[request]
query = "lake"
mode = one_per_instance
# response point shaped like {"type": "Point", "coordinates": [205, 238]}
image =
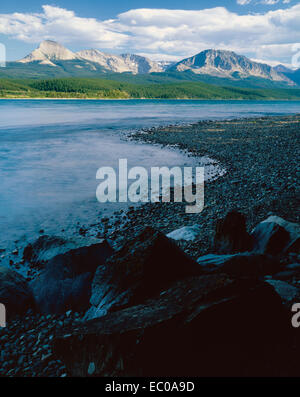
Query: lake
{"type": "Point", "coordinates": [50, 151]}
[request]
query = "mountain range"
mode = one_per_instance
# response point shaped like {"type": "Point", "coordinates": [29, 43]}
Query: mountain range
{"type": "Point", "coordinates": [51, 59]}
{"type": "Point", "coordinates": [52, 53]}
{"type": "Point", "coordinates": [228, 64]}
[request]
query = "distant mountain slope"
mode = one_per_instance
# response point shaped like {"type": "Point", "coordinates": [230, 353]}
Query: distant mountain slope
{"type": "Point", "coordinates": [39, 70]}
{"type": "Point", "coordinates": [295, 76]}
{"type": "Point", "coordinates": [282, 69]}
{"type": "Point", "coordinates": [188, 76]}
{"type": "Point", "coordinates": [227, 64]}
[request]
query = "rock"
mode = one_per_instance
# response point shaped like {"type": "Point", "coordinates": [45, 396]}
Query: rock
{"type": "Point", "coordinates": [231, 235]}
{"type": "Point", "coordinates": [286, 275]}
{"type": "Point", "coordinates": [241, 265]}
{"type": "Point", "coordinates": [140, 269]}
{"type": "Point", "coordinates": [15, 293]}
{"type": "Point", "coordinates": [65, 283]}
{"type": "Point", "coordinates": [91, 369]}
{"type": "Point", "coordinates": [270, 238]}
{"type": "Point", "coordinates": [287, 292]}
{"type": "Point", "coordinates": [294, 246]}
{"type": "Point", "coordinates": [201, 326]}
{"type": "Point", "coordinates": [43, 249]}
{"type": "Point", "coordinates": [80, 260]}
{"type": "Point", "coordinates": [57, 295]}
{"type": "Point", "coordinates": [291, 240]}
{"type": "Point", "coordinates": [187, 233]}
{"type": "Point", "coordinates": [293, 266]}
{"type": "Point", "coordinates": [47, 247]}
{"type": "Point", "coordinates": [214, 261]}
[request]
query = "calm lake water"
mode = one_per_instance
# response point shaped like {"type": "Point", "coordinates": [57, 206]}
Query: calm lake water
{"type": "Point", "coordinates": [50, 152]}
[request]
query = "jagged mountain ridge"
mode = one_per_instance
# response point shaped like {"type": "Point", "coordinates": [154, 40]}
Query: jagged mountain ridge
{"type": "Point", "coordinates": [228, 64]}
{"type": "Point", "coordinates": [49, 52]}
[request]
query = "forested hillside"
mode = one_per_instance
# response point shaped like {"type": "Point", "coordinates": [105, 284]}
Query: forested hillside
{"type": "Point", "coordinates": [111, 89]}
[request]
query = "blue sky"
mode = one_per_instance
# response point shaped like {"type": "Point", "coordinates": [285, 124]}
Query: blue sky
{"type": "Point", "coordinates": [266, 30]}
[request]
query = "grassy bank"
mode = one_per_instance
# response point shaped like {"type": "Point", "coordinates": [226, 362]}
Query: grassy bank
{"type": "Point", "coordinates": [82, 88]}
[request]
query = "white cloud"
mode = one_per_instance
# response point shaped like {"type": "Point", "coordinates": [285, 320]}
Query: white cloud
{"type": "Point", "coordinates": [59, 24]}
{"type": "Point", "coordinates": [267, 2]}
{"type": "Point", "coordinates": [161, 57]}
{"type": "Point", "coordinates": [169, 34]}
{"type": "Point", "coordinates": [273, 63]}
{"type": "Point", "coordinates": [243, 2]}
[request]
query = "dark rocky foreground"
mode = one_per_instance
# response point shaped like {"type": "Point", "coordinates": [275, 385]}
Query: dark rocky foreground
{"type": "Point", "coordinates": [215, 305]}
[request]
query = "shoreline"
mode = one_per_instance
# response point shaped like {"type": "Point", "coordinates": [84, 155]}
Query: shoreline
{"type": "Point", "coordinates": [177, 137]}
{"type": "Point", "coordinates": [253, 159]}
{"type": "Point", "coordinates": [156, 99]}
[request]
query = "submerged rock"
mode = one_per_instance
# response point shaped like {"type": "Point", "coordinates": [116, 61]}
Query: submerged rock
{"type": "Point", "coordinates": [15, 293]}
{"type": "Point", "coordinates": [65, 283]}
{"type": "Point", "coordinates": [201, 326]}
{"type": "Point", "coordinates": [231, 234]}
{"type": "Point", "coordinates": [144, 266]}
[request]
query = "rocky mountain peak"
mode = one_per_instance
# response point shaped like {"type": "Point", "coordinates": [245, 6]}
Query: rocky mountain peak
{"type": "Point", "coordinates": [282, 69]}
{"type": "Point", "coordinates": [228, 64]}
{"type": "Point", "coordinates": [48, 52]}
{"type": "Point", "coordinates": [141, 64]}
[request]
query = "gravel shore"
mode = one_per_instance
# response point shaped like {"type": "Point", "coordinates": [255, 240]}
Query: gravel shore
{"type": "Point", "coordinates": [261, 156]}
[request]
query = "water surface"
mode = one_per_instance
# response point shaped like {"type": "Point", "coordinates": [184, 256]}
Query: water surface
{"type": "Point", "coordinates": [50, 151]}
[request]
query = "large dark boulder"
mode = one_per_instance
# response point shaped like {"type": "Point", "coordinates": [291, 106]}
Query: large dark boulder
{"type": "Point", "coordinates": [65, 282]}
{"type": "Point", "coordinates": [240, 265]}
{"type": "Point", "coordinates": [15, 293]}
{"type": "Point", "coordinates": [270, 238]}
{"type": "Point", "coordinates": [43, 249]}
{"type": "Point", "coordinates": [276, 236]}
{"type": "Point", "coordinates": [201, 326]}
{"type": "Point", "coordinates": [287, 292]}
{"type": "Point", "coordinates": [231, 234]}
{"type": "Point", "coordinates": [144, 266]}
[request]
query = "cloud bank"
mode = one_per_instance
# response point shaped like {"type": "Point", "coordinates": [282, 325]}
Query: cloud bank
{"type": "Point", "coordinates": [165, 34]}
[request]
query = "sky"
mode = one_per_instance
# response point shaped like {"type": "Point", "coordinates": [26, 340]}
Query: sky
{"type": "Point", "coordinates": [264, 30]}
